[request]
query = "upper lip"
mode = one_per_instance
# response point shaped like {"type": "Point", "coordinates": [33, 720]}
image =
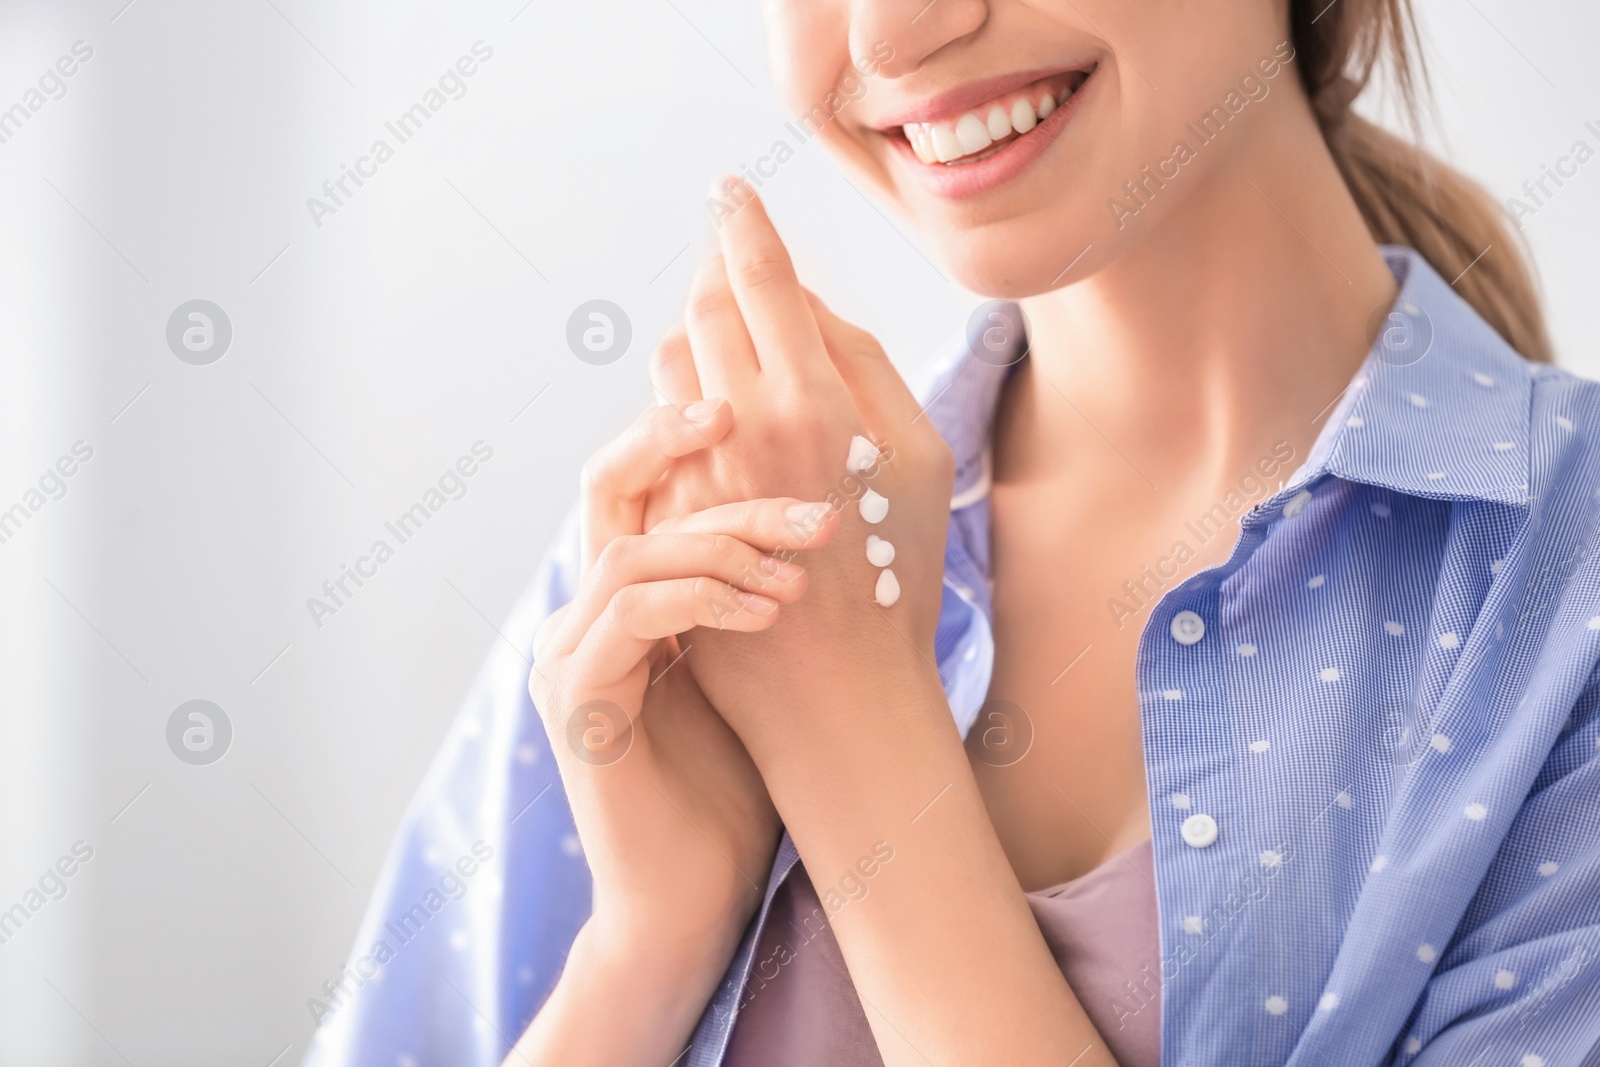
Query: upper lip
{"type": "Point", "coordinates": [955, 102]}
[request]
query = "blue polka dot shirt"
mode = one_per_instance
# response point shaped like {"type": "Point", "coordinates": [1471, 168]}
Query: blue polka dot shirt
{"type": "Point", "coordinates": [1372, 742]}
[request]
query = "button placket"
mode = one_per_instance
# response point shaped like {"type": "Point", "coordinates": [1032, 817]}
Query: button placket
{"type": "Point", "coordinates": [1198, 830]}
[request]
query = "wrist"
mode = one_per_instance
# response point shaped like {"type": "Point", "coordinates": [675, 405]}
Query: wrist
{"type": "Point", "coordinates": [691, 952]}
{"type": "Point", "coordinates": [856, 717]}
{"type": "Point", "coordinates": [886, 736]}
{"type": "Point", "coordinates": [621, 998]}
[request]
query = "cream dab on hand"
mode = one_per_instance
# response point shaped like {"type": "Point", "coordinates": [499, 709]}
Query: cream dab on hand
{"type": "Point", "coordinates": [863, 454]}
{"type": "Point", "coordinates": [874, 506]}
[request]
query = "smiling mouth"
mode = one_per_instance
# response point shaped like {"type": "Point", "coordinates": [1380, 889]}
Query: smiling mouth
{"type": "Point", "coordinates": [982, 131]}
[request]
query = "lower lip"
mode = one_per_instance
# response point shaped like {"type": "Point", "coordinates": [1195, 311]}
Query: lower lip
{"type": "Point", "coordinates": [974, 179]}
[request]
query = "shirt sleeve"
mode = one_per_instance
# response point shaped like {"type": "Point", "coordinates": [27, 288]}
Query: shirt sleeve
{"type": "Point", "coordinates": [1521, 983]}
{"type": "Point", "coordinates": [484, 887]}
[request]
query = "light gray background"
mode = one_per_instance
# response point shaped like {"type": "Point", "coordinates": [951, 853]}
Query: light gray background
{"type": "Point", "coordinates": [368, 354]}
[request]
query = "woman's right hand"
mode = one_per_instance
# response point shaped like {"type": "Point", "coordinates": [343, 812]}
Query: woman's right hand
{"type": "Point", "coordinates": [676, 824]}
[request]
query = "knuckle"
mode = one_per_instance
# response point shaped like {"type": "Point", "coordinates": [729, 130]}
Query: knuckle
{"type": "Point", "coordinates": [614, 556]}
{"type": "Point", "coordinates": [662, 358]}
{"type": "Point", "coordinates": [602, 572]}
{"type": "Point", "coordinates": [708, 293]}
{"type": "Point", "coordinates": [664, 426]}
{"type": "Point", "coordinates": [866, 349]}
{"type": "Point", "coordinates": [673, 347]}
{"type": "Point", "coordinates": [599, 470]}
{"type": "Point", "coordinates": [752, 515]}
{"type": "Point", "coordinates": [708, 302]}
{"type": "Point", "coordinates": [544, 635]}
{"type": "Point", "coordinates": [860, 338]}
{"type": "Point", "coordinates": [761, 269]}
{"type": "Point", "coordinates": [709, 593]}
{"type": "Point", "coordinates": [623, 606]}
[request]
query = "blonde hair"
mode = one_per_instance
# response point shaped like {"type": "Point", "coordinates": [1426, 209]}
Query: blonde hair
{"type": "Point", "coordinates": [1408, 196]}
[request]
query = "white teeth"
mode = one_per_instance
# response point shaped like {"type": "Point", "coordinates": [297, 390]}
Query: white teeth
{"type": "Point", "coordinates": [914, 138]}
{"type": "Point", "coordinates": [999, 125]}
{"type": "Point", "coordinates": [1022, 118]}
{"type": "Point", "coordinates": [945, 146]}
{"type": "Point", "coordinates": [976, 131]}
{"type": "Point", "coordinates": [972, 135]}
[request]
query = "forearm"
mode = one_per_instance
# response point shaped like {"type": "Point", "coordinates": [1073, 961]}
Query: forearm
{"type": "Point", "coordinates": [621, 1000]}
{"type": "Point", "coordinates": [943, 948]}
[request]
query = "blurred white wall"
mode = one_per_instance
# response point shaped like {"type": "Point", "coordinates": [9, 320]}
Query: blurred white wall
{"type": "Point", "coordinates": [367, 354]}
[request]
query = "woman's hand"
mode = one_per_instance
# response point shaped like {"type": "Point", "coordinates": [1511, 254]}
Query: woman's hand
{"type": "Point", "coordinates": [676, 824]}
{"type": "Point", "coordinates": [840, 703]}
{"type": "Point", "coordinates": [802, 383]}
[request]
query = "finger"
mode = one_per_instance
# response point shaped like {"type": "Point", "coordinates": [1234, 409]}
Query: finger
{"type": "Point", "coordinates": [724, 356]}
{"type": "Point", "coordinates": [781, 525]}
{"type": "Point", "coordinates": [672, 369]}
{"type": "Point", "coordinates": [764, 283]}
{"type": "Point", "coordinates": [881, 395]}
{"type": "Point", "coordinates": [617, 477]}
{"type": "Point", "coordinates": [643, 558]}
{"type": "Point", "coordinates": [640, 615]}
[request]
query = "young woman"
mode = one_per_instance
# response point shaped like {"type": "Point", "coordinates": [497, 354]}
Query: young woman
{"type": "Point", "coordinates": [1233, 700]}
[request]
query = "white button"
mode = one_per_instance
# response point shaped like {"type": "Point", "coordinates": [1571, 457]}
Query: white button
{"type": "Point", "coordinates": [1199, 831]}
{"type": "Point", "coordinates": [1187, 627]}
{"type": "Point", "coordinates": [1296, 504]}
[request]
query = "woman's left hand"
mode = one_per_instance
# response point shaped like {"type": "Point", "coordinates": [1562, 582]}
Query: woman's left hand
{"type": "Point", "coordinates": [802, 382]}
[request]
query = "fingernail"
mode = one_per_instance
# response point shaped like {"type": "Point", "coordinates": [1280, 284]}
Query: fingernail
{"type": "Point", "coordinates": [757, 604]}
{"type": "Point", "coordinates": [701, 410]}
{"type": "Point", "coordinates": [780, 569]}
{"type": "Point", "coordinates": [804, 514]}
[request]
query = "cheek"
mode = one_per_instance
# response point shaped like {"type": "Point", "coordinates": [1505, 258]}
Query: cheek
{"type": "Point", "coordinates": [1173, 63]}
{"type": "Point", "coordinates": [808, 49]}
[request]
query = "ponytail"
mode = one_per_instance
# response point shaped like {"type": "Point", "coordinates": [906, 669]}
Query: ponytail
{"type": "Point", "coordinates": [1406, 195]}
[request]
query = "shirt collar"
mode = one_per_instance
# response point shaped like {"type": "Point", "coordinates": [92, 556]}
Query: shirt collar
{"type": "Point", "coordinates": [1440, 407]}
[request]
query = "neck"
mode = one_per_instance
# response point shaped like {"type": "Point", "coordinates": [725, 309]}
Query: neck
{"type": "Point", "coordinates": [1232, 323]}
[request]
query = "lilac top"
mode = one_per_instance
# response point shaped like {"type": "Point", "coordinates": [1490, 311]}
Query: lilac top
{"type": "Point", "coordinates": [801, 1010]}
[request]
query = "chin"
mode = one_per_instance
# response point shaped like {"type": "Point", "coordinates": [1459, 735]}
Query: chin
{"type": "Point", "coordinates": [1020, 257]}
